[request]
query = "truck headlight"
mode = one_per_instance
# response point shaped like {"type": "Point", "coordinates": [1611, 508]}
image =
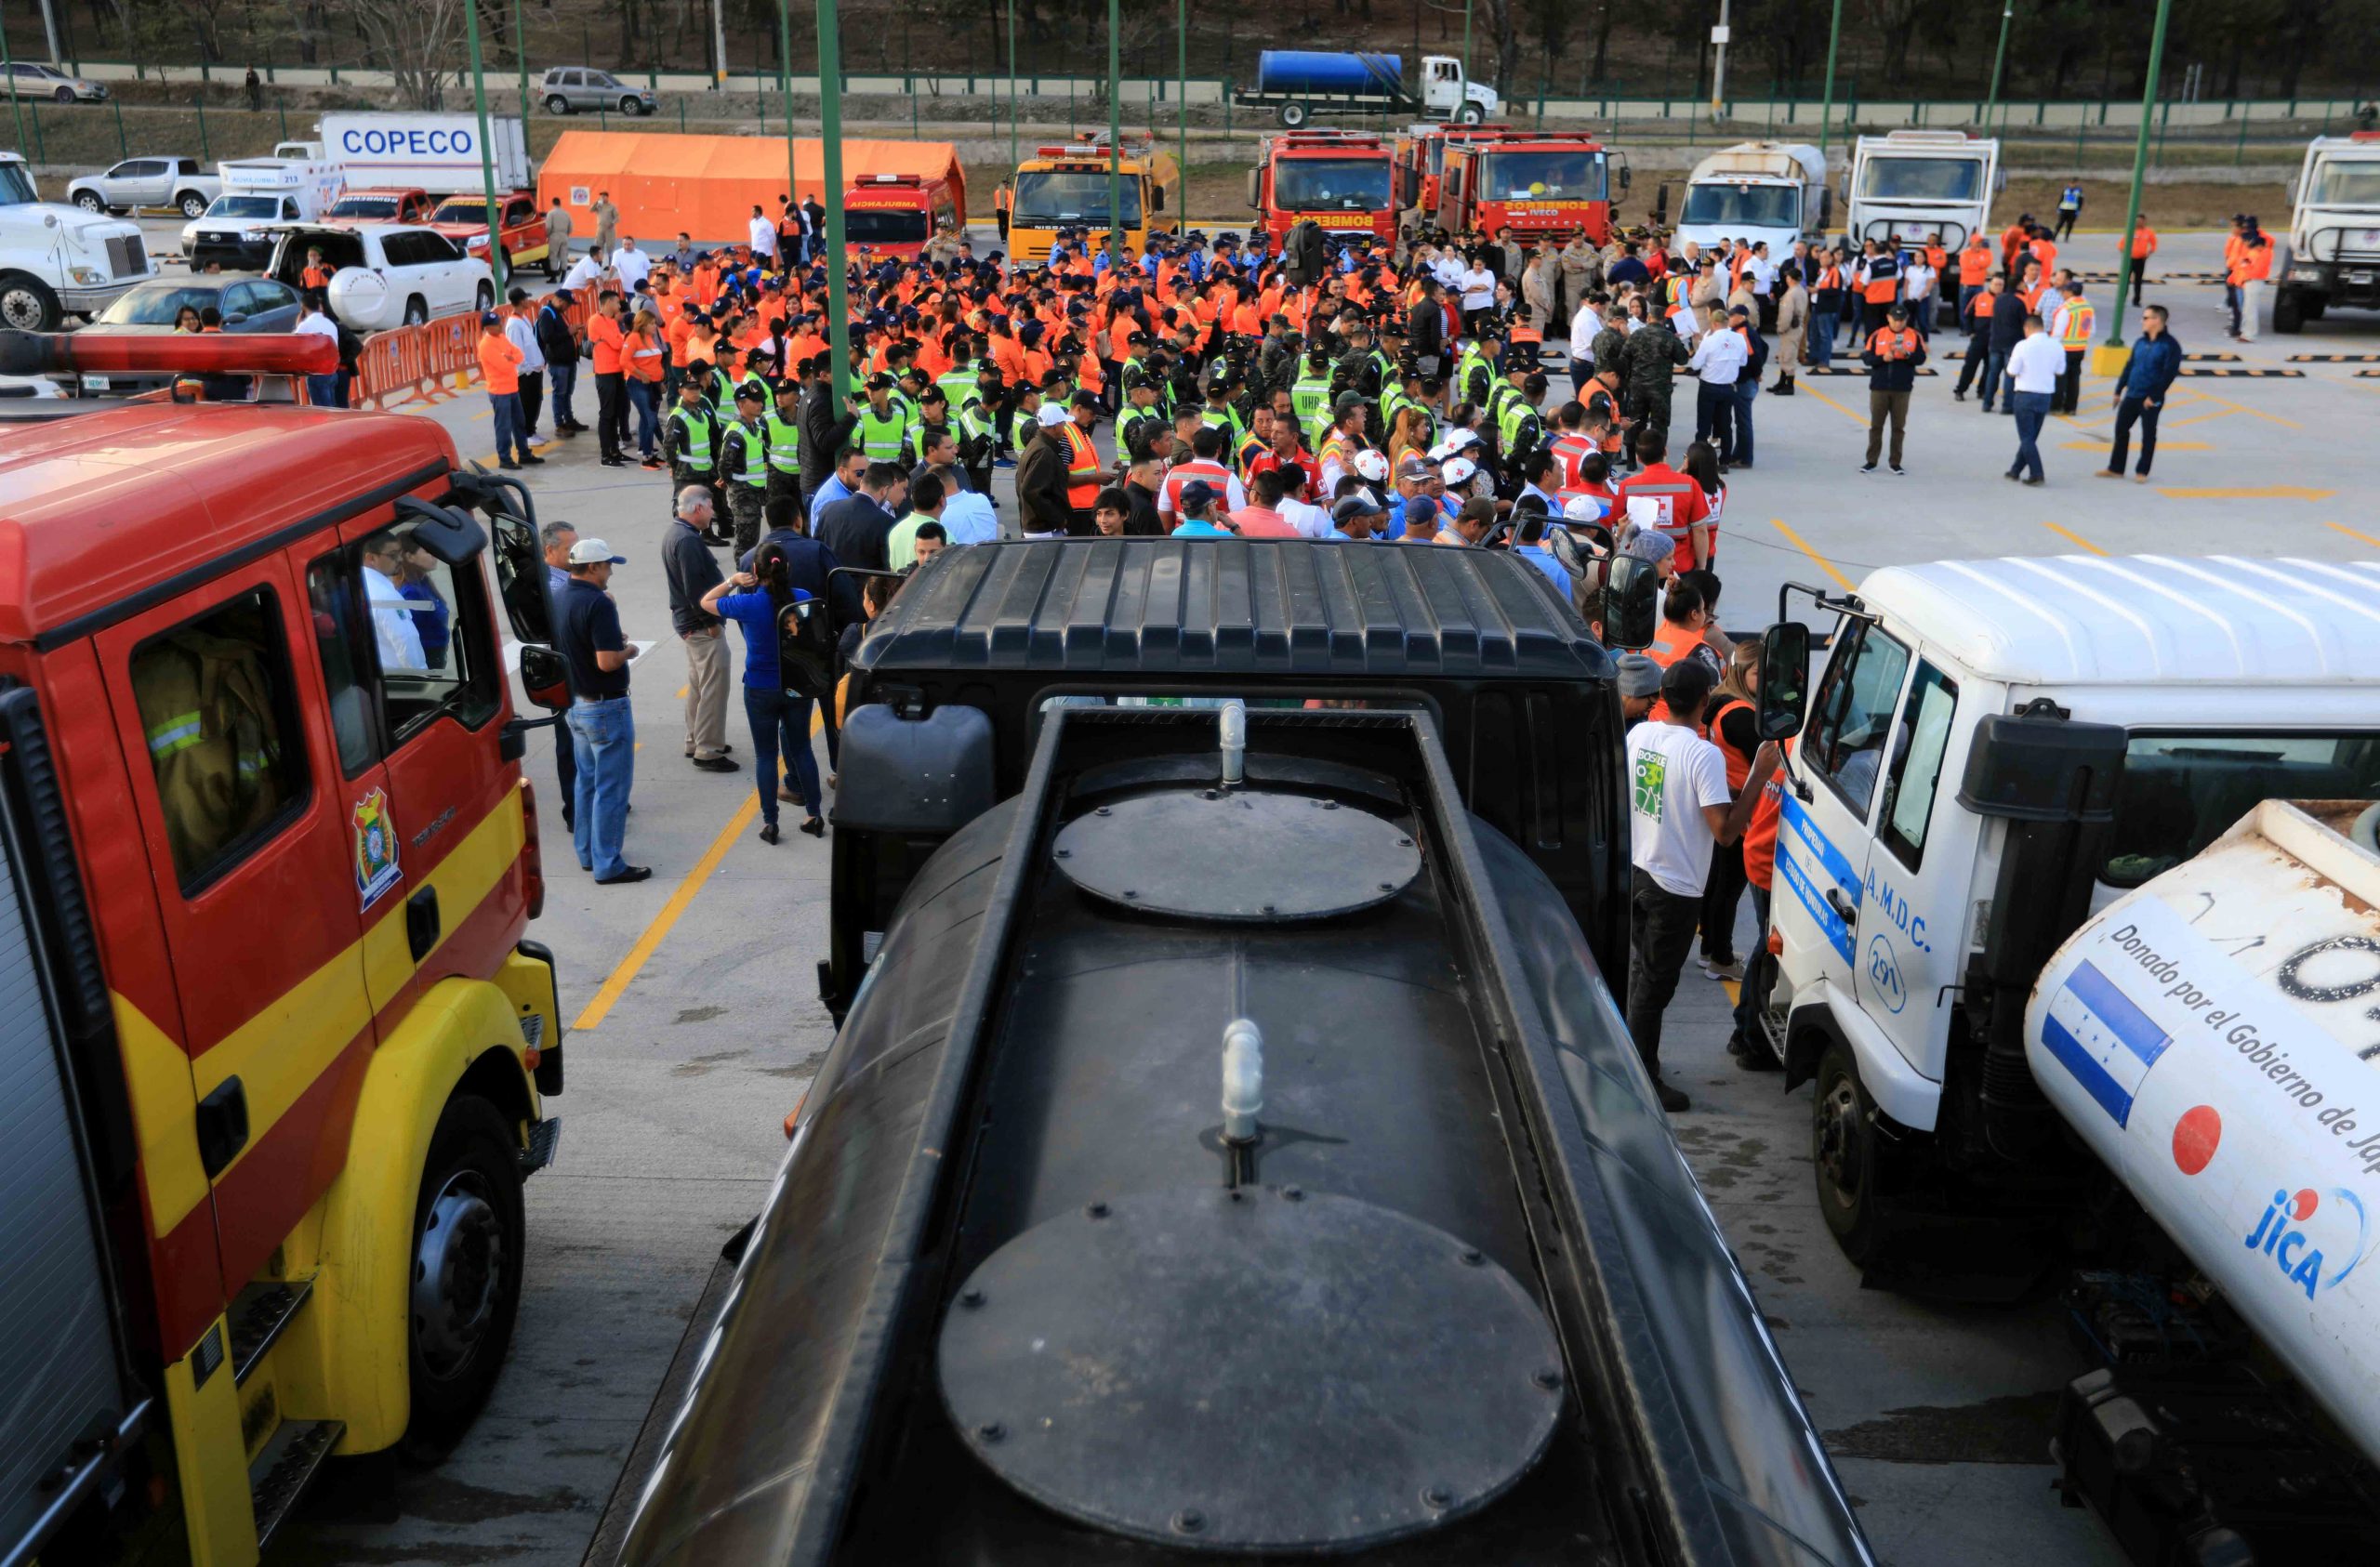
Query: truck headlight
{"type": "Point", "coordinates": [252, 236]}
{"type": "Point", "coordinates": [477, 241]}
{"type": "Point", "coordinates": [88, 276]}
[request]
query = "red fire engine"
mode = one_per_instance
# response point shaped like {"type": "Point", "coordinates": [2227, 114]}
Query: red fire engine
{"type": "Point", "coordinates": [1535, 183]}
{"type": "Point", "coordinates": [1343, 180]}
{"type": "Point", "coordinates": [277, 1052]}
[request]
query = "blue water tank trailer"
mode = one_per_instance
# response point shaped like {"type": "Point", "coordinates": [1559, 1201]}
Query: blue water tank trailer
{"type": "Point", "coordinates": [1322, 71]}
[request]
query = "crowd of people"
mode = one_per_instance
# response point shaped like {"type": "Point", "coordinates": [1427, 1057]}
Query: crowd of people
{"type": "Point", "coordinates": [1393, 396]}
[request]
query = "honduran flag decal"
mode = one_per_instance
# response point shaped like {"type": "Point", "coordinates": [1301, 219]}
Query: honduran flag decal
{"type": "Point", "coordinates": [2106, 1042]}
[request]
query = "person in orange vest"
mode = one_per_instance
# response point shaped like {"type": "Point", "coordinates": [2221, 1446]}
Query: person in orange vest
{"type": "Point", "coordinates": [2072, 323]}
{"type": "Point", "coordinates": [1976, 316]}
{"type": "Point", "coordinates": [318, 273]}
{"type": "Point", "coordinates": [1892, 354]}
{"type": "Point", "coordinates": [2250, 272]}
{"type": "Point", "coordinates": [1085, 476]}
{"type": "Point", "coordinates": [2231, 246]}
{"type": "Point", "coordinates": [1975, 270]}
{"type": "Point", "coordinates": [500, 368]}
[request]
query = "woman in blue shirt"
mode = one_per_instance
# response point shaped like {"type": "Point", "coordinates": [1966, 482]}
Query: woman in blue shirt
{"type": "Point", "coordinates": [758, 600]}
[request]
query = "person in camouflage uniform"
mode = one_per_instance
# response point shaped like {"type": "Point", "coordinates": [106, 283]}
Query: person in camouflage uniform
{"type": "Point", "coordinates": [1654, 354]}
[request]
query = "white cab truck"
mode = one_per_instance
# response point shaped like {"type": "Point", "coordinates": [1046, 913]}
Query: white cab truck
{"type": "Point", "coordinates": [439, 154]}
{"type": "Point", "coordinates": [2332, 256]}
{"type": "Point", "coordinates": [1909, 184]}
{"type": "Point", "coordinates": [57, 260]}
{"type": "Point", "coordinates": [1764, 191]}
{"type": "Point", "coordinates": [300, 170]}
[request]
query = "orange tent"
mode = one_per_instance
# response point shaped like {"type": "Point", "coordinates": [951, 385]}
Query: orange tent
{"type": "Point", "coordinates": [707, 185]}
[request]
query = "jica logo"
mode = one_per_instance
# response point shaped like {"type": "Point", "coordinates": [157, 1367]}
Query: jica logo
{"type": "Point", "coordinates": [2315, 1239]}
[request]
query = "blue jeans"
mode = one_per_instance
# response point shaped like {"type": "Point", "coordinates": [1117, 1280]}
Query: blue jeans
{"type": "Point", "coordinates": [781, 725]}
{"type": "Point", "coordinates": [648, 428]}
{"type": "Point", "coordinates": [603, 734]}
{"type": "Point", "coordinates": [512, 443]}
{"type": "Point", "coordinates": [1821, 338]}
{"type": "Point", "coordinates": [1747, 388]}
{"type": "Point", "coordinates": [2032, 412]}
{"type": "Point", "coordinates": [323, 390]}
{"type": "Point", "coordinates": [1715, 418]}
{"type": "Point", "coordinates": [560, 376]}
{"type": "Point", "coordinates": [1995, 370]}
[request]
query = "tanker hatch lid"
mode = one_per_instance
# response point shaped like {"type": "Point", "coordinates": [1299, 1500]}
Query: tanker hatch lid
{"type": "Point", "coordinates": [1232, 854]}
{"type": "Point", "coordinates": [1250, 1370]}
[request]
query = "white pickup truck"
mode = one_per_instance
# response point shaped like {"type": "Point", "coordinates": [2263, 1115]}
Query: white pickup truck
{"type": "Point", "coordinates": [178, 183]}
{"type": "Point", "coordinates": [58, 261]}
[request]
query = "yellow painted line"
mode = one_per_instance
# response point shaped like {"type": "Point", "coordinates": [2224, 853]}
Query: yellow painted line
{"type": "Point", "coordinates": [2243, 408]}
{"type": "Point", "coordinates": [2262, 493]}
{"type": "Point", "coordinates": [617, 983]}
{"type": "Point", "coordinates": [1803, 546]}
{"type": "Point", "coordinates": [1855, 419]}
{"type": "Point", "coordinates": [2200, 418]}
{"type": "Point", "coordinates": [2072, 537]}
{"type": "Point", "coordinates": [2364, 538]}
{"type": "Point", "coordinates": [2101, 445]}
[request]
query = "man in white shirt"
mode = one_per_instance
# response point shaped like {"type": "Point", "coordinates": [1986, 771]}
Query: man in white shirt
{"type": "Point", "coordinates": [630, 265]}
{"type": "Point", "coordinates": [321, 390]}
{"type": "Point", "coordinates": [1478, 286]}
{"type": "Point", "coordinates": [2034, 366]}
{"type": "Point", "coordinates": [393, 631]}
{"type": "Point", "coordinates": [1917, 280]}
{"type": "Point", "coordinates": [1679, 811]}
{"type": "Point", "coordinates": [1719, 357]}
{"type": "Point", "coordinates": [521, 331]}
{"type": "Point", "coordinates": [584, 272]}
{"type": "Point", "coordinates": [968, 518]}
{"type": "Point", "coordinates": [764, 236]}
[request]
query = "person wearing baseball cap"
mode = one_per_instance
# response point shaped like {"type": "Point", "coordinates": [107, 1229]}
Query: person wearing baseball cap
{"type": "Point", "coordinates": [603, 727]}
{"type": "Point", "coordinates": [1680, 809]}
{"type": "Point", "coordinates": [1356, 517]}
{"type": "Point", "coordinates": [1199, 501]}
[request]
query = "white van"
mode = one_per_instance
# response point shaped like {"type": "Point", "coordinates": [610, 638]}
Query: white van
{"type": "Point", "coordinates": [1995, 750]}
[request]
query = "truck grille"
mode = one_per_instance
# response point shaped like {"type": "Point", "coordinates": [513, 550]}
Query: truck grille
{"type": "Point", "coordinates": [128, 256]}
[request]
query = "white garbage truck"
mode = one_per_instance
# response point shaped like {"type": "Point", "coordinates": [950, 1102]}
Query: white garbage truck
{"type": "Point", "coordinates": [2075, 983]}
{"type": "Point", "coordinates": [1770, 193]}
{"type": "Point", "coordinates": [1908, 186]}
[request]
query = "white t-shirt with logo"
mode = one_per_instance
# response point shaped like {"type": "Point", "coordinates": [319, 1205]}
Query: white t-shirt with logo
{"type": "Point", "coordinates": [1673, 773]}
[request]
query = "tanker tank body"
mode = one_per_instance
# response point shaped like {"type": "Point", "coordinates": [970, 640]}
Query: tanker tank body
{"type": "Point", "coordinates": [1233, 1154]}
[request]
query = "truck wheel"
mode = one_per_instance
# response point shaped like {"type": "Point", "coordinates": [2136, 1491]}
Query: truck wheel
{"type": "Point", "coordinates": [27, 304]}
{"type": "Point", "coordinates": [1472, 115]}
{"type": "Point", "coordinates": [1848, 1156]}
{"type": "Point", "coordinates": [1293, 114]}
{"type": "Point", "coordinates": [193, 205]}
{"type": "Point", "coordinates": [557, 104]}
{"type": "Point", "coordinates": [468, 1230]}
{"type": "Point", "coordinates": [2288, 312]}
{"type": "Point", "coordinates": [89, 201]}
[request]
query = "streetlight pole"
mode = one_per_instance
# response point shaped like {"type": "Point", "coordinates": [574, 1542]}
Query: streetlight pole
{"type": "Point", "coordinates": [1115, 136]}
{"type": "Point", "coordinates": [521, 59]}
{"type": "Point", "coordinates": [1999, 57]}
{"type": "Point", "coordinates": [830, 148]}
{"type": "Point", "coordinates": [785, 90]}
{"type": "Point", "coordinates": [1181, 89]}
{"type": "Point", "coordinates": [487, 155]}
{"type": "Point", "coordinates": [1719, 64]}
{"type": "Point", "coordinates": [2110, 355]}
{"type": "Point", "coordinates": [1012, 86]}
{"type": "Point", "coordinates": [1826, 108]}
{"type": "Point", "coordinates": [1466, 58]}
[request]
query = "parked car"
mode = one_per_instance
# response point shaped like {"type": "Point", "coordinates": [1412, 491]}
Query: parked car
{"type": "Point", "coordinates": [384, 204]}
{"type": "Point", "coordinates": [234, 233]}
{"type": "Point", "coordinates": [246, 303]}
{"type": "Point", "coordinates": [385, 274]}
{"type": "Point", "coordinates": [463, 220]}
{"type": "Point", "coordinates": [569, 89]}
{"type": "Point", "coordinates": [46, 81]}
{"type": "Point", "coordinates": [144, 182]}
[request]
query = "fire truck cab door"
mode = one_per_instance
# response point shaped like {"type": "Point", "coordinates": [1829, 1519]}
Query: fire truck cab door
{"type": "Point", "coordinates": [259, 861]}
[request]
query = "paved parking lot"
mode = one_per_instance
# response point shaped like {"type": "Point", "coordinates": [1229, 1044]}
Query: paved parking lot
{"type": "Point", "coordinates": [696, 1026]}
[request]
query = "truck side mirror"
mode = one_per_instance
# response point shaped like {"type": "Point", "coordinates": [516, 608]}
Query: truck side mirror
{"type": "Point", "coordinates": [1156, 198]}
{"type": "Point", "coordinates": [1625, 178]}
{"type": "Point", "coordinates": [1630, 613]}
{"type": "Point", "coordinates": [1784, 679]}
{"type": "Point", "coordinates": [545, 674]}
{"type": "Point", "coordinates": [1254, 175]}
{"type": "Point", "coordinates": [1661, 203]}
{"type": "Point", "coordinates": [1826, 209]}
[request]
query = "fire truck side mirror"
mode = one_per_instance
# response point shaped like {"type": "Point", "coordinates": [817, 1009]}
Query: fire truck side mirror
{"type": "Point", "coordinates": [1630, 615]}
{"type": "Point", "coordinates": [1784, 677]}
{"type": "Point", "coordinates": [545, 674]}
{"type": "Point", "coordinates": [448, 535]}
{"type": "Point", "coordinates": [1254, 176]}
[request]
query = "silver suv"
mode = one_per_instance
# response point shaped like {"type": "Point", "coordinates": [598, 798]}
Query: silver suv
{"type": "Point", "coordinates": [46, 81]}
{"type": "Point", "coordinates": [569, 89]}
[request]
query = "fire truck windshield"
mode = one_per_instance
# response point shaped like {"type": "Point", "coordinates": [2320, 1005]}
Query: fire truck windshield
{"type": "Point", "coordinates": [1551, 175]}
{"type": "Point", "coordinates": [884, 224]}
{"type": "Point", "coordinates": [1330, 184]}
{"type": "Point", "coordinates": [1922, 179]}
{"type": "Point", "coordinates": [1048, 197]}
{"type": "Point", "coordinates": [1743, 206]}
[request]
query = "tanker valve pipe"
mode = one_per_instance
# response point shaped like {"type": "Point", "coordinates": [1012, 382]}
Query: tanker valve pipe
{"type": "Point", "coordinates": [1232, 723]}
{"type": "Point", "coordinates": [1243, 1097]}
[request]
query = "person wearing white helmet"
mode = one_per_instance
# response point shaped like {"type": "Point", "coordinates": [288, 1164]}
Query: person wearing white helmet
{"type": "Point", "coordinates": [1458, 472]}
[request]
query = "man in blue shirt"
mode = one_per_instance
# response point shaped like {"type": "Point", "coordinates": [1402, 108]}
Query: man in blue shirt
{"type": "Point", "coordinates": [1529, 543]}
{"type": "Point", "coordinates": [841, 485]}
{"type": "Point", "coordinates": [601, 723]}
{"type": "Point", "coordinates": [556, 539]}
{"type": "Point", "coordinates": [2140, 393]}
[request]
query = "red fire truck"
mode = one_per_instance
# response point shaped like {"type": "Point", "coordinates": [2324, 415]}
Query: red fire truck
{"type": "Point", "coordinates": [1535, 183]}
{"type": "Point", "coordinates": [1343, 180]}
{"type": "Point", "coordinates": [277, 1053]}
{"type": "Point", "coordinates": [895, 213]}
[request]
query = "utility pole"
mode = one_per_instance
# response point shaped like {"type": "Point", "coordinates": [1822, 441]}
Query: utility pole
{"type": "Point", "coordinates": [1826, 109]}
{"type": "Point", "coordinates": [1181, 91]}
{"type": "Point", "coordinates": [16, 100]}
{"type": "Point", "coordinates": [1115, 137]}
{"type": "Point", "coordinates": [1999, 57]}
{"type": "Point", "coordinates": [1719, 65]}
{"type": "Point", "coordinates": [49, 25]}
{"type": "Point", "coordinates": [521, 59]}
{"type": "Point", "coordinates": [1466, 62]}
{"type": "Point", "coordinates": [830, 148]}
{"type": "Point", "coordinates": [487, 156]}
{"type": "Point", "coordinates": [1012, 86]}
{"type": "Point", "coordinates": [784, 88]}
{"type": "Point", "coordinates": [718, 43]}
{"type": "Point", "coordinates": [2110, 355]}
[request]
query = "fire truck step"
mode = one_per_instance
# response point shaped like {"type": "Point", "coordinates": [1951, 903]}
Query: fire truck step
{"type": "Point", "coordinates": [291, 1460]}
{"type": "Point", "coordinates": [260, 1313]}
{"type": "Point", "coordinates": [544, 1140]}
